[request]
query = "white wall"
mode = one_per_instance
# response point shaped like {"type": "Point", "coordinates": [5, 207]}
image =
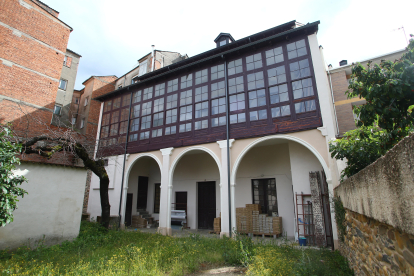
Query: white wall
{"type": "Point", "coordinates": [193, 168]}
{"type": "Point", "coordinates": [268, 162]}
{"type": "Point", "coordinates": [52, 208]}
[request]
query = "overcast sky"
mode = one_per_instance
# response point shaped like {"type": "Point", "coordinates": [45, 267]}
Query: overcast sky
{"type": "Point", "coordinates": [112, 35]}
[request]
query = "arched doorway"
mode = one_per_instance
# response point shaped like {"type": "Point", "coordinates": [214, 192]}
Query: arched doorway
{"type": "Point", "coordinates": [195, 186]}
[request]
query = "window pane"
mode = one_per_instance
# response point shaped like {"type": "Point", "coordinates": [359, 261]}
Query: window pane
{"type": "Point", "coordinates": [235, 67]}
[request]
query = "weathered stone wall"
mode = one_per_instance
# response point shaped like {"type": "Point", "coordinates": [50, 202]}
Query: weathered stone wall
{"type": "Point", "coordinates": [379, 238]}
{"type": "Point", "coordinates": [375, 248]}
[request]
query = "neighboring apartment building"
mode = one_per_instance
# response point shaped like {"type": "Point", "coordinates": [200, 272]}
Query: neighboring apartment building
{"type": "Point", "coordinates": [271, 87]}
{"type": "Point", "coordinates": [62, 110]}
{"type": "Point", "coordinates": [33, 49]}
{"type": "Point", "coordinates": [339, 78]}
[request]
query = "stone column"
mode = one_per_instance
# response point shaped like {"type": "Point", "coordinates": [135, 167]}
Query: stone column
{"type": "Point", "coordinates": [224, 189]}
{"type": "Point", "coordinates": [165, 200]}
{"type": "Point", "coordinates": [318, 218]}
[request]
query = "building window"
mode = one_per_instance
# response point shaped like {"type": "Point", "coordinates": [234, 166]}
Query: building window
{"type": "Point", "coordinates": [82, 123]}
{"type": "Point", "coordinates": [235, 67]}
{"type": "Point", "coordinates": [126, 100]}
{"type": "Point", "coordinates": [255, 81]}
{"type": "Point", "coordinates": [237, 102]}
{"type": "Point", "coordinates": [264, 193]}
{"type": "Point", "coordinates": [201, 93]}
{"type": "Point", "coordinates": [76, 100]}
{"type": "Point", "coordinates": [105, 119]}
{"type": "Point", "coordinates": [220, 121]}
{"type": "Point", "coordinates": [201, 109]}
{"type": "Point", "coordinates": [186, 97]}
{"type": "Point", "coordinates": [186, 113]}
{"type": "Point", "coordinates": [134, 125]}
{"type": "Point", "coordinates": [142, 68]}
{"type": "Point", "coordinates": [258, 115]}
{"type": "Point", "coordinates": [105, 131]}
{"type": "Point", "coordinates": [280, 111]}
{"type": "Point", "coordinates": [159, 89]}
{"type": "Point", "coordinates": [278, 94]}
{"type": "Point", "coordinates": [217, 72]}
{"type": "Point", "coordinates": [254, 62]}
{"type": "Point", "coordinates": [257, 98]}
{"type": "Point", "coordinates": [274, 56]}
{"type": "Point", "coordinates": [146, 108]}
{"type": "Point", "coordinates": [186, 81]}
{"type": "Point", "coordinates": [124, 114]}
{"type": "Point", "coordinates": [73, 120]}
{"type": "Point", "coordinates": [147, 94]}
{"type": "Point", "coordinates": [117, 103]}
{"type": "Point", "coordinates": [218, 89]}
{"type": "Point", "coordinates": [223, 42]}
{"type": "Point", "coordinates": [156, 132]}
{"type": "Point", "coordinates": [237, 118]}
{"type": "Point", "coordinates": [123, 127]}
{"type": "Point", "coordinates": [296, 49]}
{"type": "Point", "coordinates": [201, 124]}
{"type": "Point", "coordinates": [218, 106]}
{"type": "Point", "coordinates": [107, 106]}
{"type": "Point", "coordinates": [133, 137]}
{"type": "Point", "coordinates": [158, 105]}
{"type": "Point", "coordinates": [146, 122]}
{"type": "Point", "coordinates": [170, 130]}
{"type": "Point", "coordinates": [158, 119]}
{"type": "Point", "coordinates": [115, 117]}
{"type": "Point", "coordinates": [171, 116]}
{"type": "Point", "coordinates": [65, 60]}
{"type": "Point", "coordinates": [299, 69]}
{"type": "Point", "coordinates": [136, 98]}
{"type": "Point", "coordinates": [302, 88]}
{"type": "Point", "coordinates": [185, 127]}
{"type": "Point", "coordinates": [236, 85]}
{"type": "Point", "coordinates": [172, 101]}
{"type": "Point", "coordinates": [62, 84]}
{"type": "Point", "coordinates": [106, 161]}
{"type": "Point", "coordinates": [157, 198]}
{"type": "Point", "coordinates": [144, 135]}
{"type": "Point", "coordinates": [57, 109]}
{"type": "Point", "coordinates": [276, 75]}
{"type": "Point", "coordinates": [135, 111]}
{"type": "Point", "coordinates": [172, 85]}
{"type": "Point", "coordinates": [201, 76]}
{"type": "Point", "coordinates": [114, 129]}
{"type": "Point", "coordinates": [305, 106]}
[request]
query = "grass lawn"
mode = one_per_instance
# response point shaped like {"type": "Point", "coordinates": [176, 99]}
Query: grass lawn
{"type": "Point", "coordinates": [97, 252]}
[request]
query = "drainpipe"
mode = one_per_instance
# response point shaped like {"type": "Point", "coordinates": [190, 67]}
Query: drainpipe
{"type": "Point", "coordinates": [123, 167]}
{"type": "Point", "coordinates": [228, 138]}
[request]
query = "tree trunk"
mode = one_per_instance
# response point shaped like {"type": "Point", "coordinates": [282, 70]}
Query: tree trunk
{"type": "Point", "coordinates": [105, 207]}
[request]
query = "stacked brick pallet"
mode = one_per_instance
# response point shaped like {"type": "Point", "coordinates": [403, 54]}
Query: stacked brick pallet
{"type": "Point", "coordinates": [250, 220]}
{"type": "Point", "coordinates": [139, 222]}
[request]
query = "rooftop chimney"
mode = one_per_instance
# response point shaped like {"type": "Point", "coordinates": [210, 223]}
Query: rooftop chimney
{"type": "Point", "coordinates": [343, 62]}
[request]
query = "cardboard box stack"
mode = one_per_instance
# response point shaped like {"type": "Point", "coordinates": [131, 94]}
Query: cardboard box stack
{"type": "Point", "coordinates": [139, 222]}
{"type": "Point", "coordinates": [250, 220]}
{"type": "Point", "coordinates": [277, 225]}
{"type": "Point", "coordinates": [217, 225]}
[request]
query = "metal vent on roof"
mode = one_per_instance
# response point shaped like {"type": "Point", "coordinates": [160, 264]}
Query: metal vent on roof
{"type": "Point", "coordinates": [343, 62]}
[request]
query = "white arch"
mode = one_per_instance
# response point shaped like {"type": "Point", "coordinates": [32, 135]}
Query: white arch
{"type": "Point", "coordinates": [177, 159]}
{"type": "Point", "coordinates": [126, 180]}
{"type": "Point", "coordinates": [285, 137]}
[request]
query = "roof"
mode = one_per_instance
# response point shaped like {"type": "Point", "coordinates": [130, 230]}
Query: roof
{"type": "Point", "coordinates": [224, 34]}
{"type": "Point", "coordinates": [71, 29]}
{"type": "Point", "coordinates": [73, 52]}
{"type": "Point", "coordinates": [278, 33]}
{"type": "Point", "coordinates": [97, 77]}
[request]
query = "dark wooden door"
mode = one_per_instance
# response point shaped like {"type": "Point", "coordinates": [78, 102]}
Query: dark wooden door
{"type": "Point", "coordinates": [128, 210]}
{"type": "Point", "coordinates": [142, 192]}
{"type": "Point", "coordinates": [181, 201]}
{"type": "Point", "coordinates": [206, 204]}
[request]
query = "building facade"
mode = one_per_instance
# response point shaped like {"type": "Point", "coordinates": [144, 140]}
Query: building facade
{"type": "Point", "coordinates": [267, 93]}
